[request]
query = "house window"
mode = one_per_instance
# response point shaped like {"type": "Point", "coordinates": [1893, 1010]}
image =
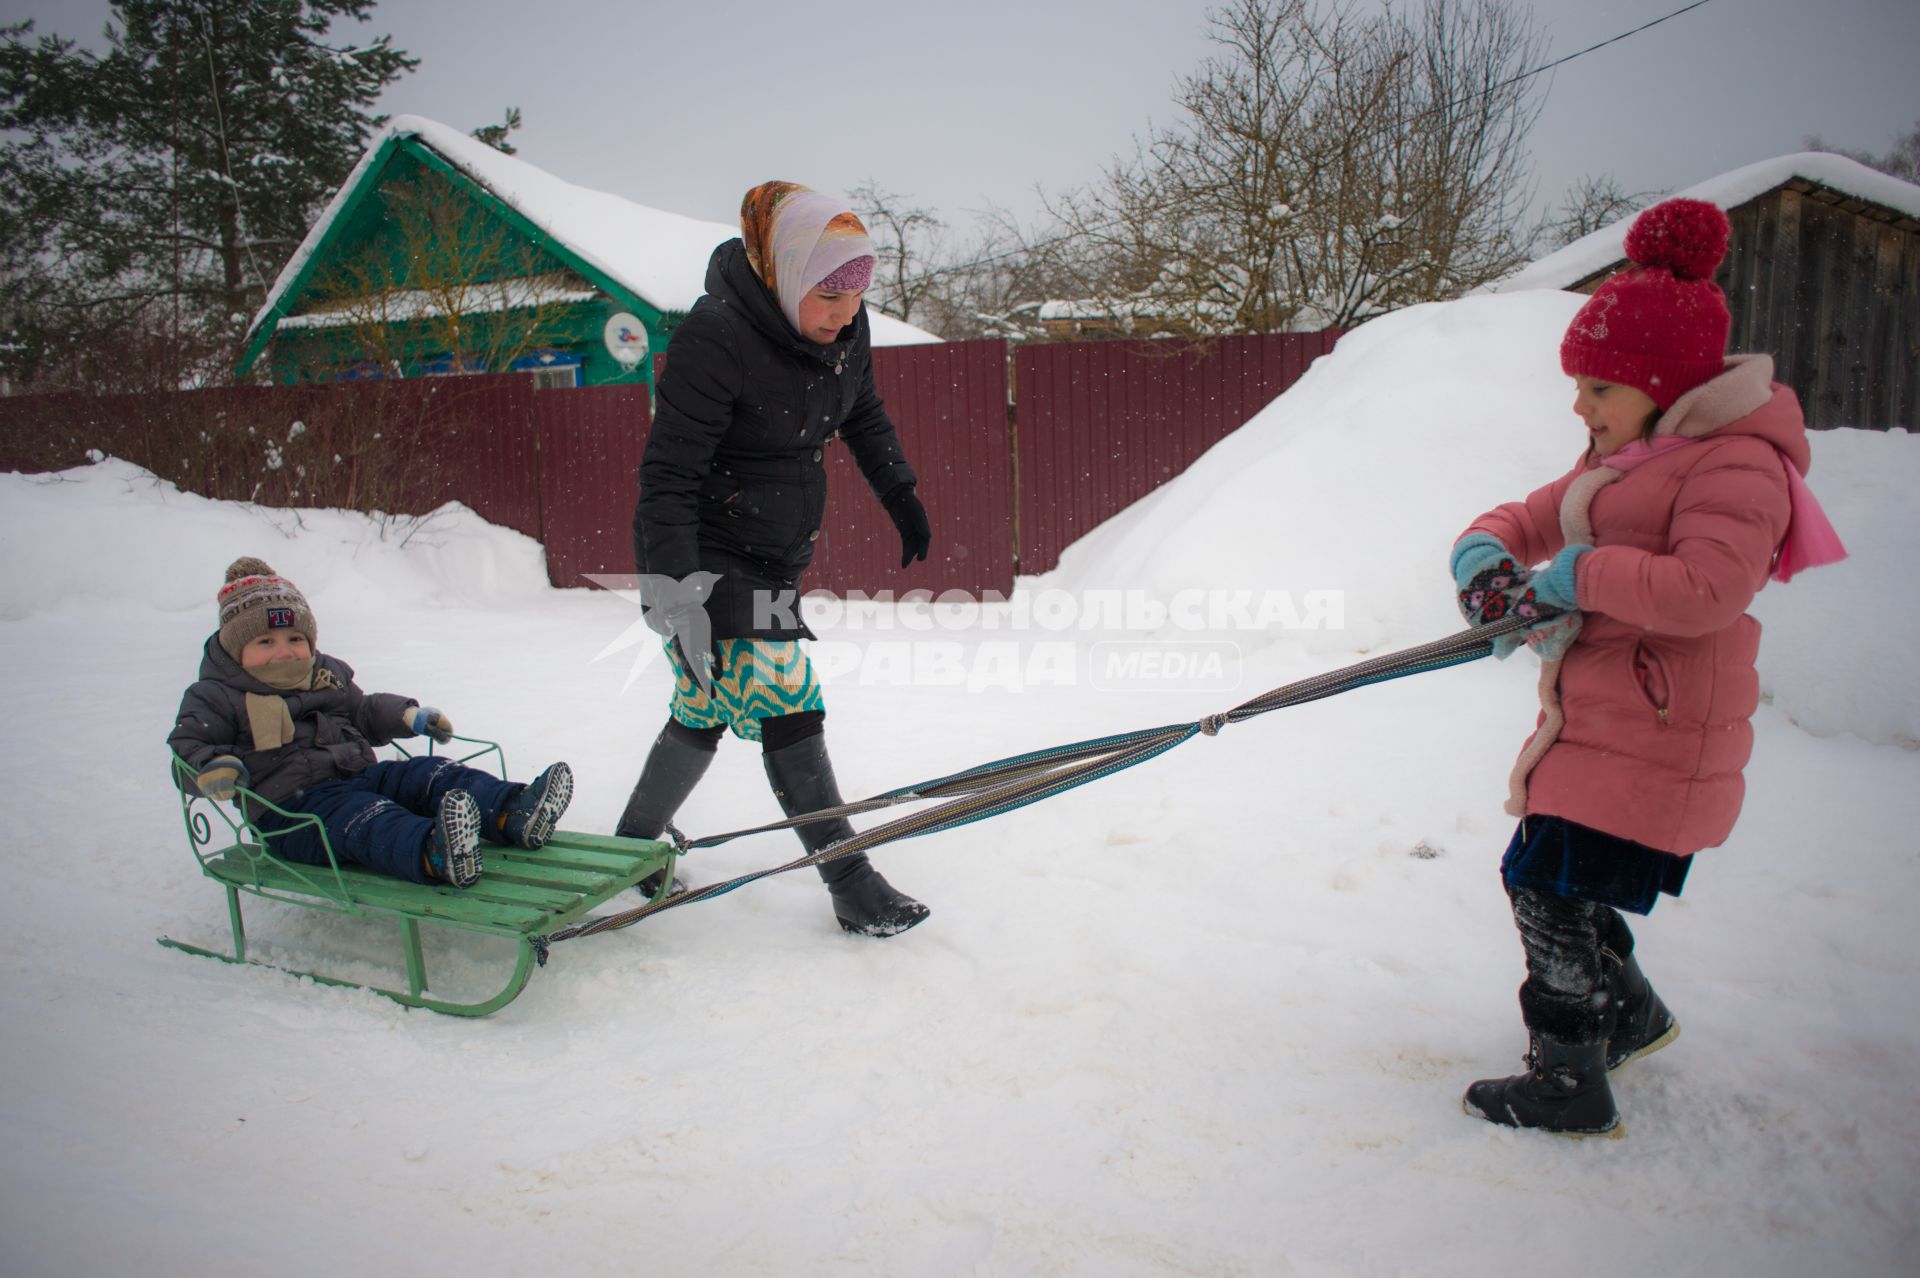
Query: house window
{"type": "Point", "coordinates": [551, 369]}
{"type": "Point", "coordinates": [564, 377]}
{"type": "Point", "coordinates": [445, 367]}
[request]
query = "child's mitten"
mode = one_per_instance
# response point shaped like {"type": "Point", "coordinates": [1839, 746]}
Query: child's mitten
{"type": "Point", "coordinates": [223, 775]}
{"type": "Point", "coordinates": [1549, 595]}
{"type": "Point", "coordinates": [1555, 584]}
{"type": "Point", "coordinates": [1551, 638]}
{"type": "Point", "coordinates": [425, 720]}
{"type": "Point", "coordinates": [1486, 575]}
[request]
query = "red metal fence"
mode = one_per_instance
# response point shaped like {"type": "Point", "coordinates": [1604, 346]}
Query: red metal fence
{"type": "Point", "coordinates": [1099, 425]}
{"type": "Point", "coordinates": [1102, 424]}
{"type": "Point", "coordinates": [591, 439]}
{"type": "Point", "coordinates": [949, 403]}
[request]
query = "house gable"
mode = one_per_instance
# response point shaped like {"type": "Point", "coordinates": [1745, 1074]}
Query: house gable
{"type": "Point", "coordinates": [412, 236]}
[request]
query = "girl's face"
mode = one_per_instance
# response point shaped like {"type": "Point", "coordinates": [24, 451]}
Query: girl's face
{"type": "Point", "coordinates": [276, 645]}
{"type": "Point", "coordinates": [824, 312]}
{"type": "Point", "coordinates": [1615, 415]}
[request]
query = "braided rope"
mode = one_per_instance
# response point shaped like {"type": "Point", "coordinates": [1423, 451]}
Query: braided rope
{"type": "Point", "coordinates": [1004, 785]}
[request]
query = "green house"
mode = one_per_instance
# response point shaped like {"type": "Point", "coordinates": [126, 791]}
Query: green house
{"type": "Point", "coordinates": [441, 255]}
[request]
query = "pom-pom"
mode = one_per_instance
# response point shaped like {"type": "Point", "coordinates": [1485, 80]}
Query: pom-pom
{"type": "Point", "coordinates": [1687, 237]}
{"type": "Point", "coordinates": [248, 566]}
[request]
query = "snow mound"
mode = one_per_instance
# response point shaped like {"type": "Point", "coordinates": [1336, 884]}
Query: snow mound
{"type": "Point", "coordinates": [114, 532]}
{"type": "Point", "coordinates": [1359, 478]}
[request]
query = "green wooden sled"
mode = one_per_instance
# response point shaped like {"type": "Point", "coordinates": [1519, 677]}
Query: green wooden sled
{"type": "Point", "coordinates": [522, 895]}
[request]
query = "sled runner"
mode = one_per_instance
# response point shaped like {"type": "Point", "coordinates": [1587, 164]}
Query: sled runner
{"type": "Point", "coordinates": [522, 895]}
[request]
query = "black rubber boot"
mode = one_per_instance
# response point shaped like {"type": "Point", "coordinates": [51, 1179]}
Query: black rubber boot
{"type": "Point", "coordinates": [1642, 1024]}
{"type": "Point", "coordinates": [679, 758]}
{"type": "Point", "coordinates": [863, 901]}
{"type": "Point", "coordinates": [1565, 1092]}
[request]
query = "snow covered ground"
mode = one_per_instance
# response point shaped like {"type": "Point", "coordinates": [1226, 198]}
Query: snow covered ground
{"type": "Point", "coordinates": [1210, 1017]}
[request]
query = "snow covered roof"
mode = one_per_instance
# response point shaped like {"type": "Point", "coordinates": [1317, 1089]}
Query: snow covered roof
{"type": "Point", "coordinates": [660, 257]}
{"type": "Point", "coordinates": [1600, 251]}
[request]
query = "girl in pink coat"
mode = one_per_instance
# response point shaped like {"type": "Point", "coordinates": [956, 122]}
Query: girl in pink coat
{"type": "Point", "coordinates": [1688, 496]}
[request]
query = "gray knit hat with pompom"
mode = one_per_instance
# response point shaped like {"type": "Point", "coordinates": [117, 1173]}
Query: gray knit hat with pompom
{"type": "Point", "coordinates": [255, 600]}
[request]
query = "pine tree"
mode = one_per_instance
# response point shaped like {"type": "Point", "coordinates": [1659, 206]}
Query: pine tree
{"type": "Point", "coordinates": [150, 194]}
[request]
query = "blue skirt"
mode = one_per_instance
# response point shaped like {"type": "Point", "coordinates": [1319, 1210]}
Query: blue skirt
{"type": "Point", "coordinates": [1548, 854]}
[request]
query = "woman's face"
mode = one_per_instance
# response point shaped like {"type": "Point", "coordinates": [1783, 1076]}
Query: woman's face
{"type": "Point", "coordinates": [824, 312]}
{"type": "Point", "coordinates": [1615, 415]}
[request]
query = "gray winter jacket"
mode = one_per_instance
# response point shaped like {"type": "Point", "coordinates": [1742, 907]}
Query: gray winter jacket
{"type": "Point", "coordinates": [335, 727]}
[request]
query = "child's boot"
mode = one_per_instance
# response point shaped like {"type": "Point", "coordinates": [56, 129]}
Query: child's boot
{"type": "Point", "coordinates": [453, 846]}
{"type": "Point", "coordinates": [1642, 1024]}
{"type": "Point", "coordinates": [1565, 1091]}
{"type": "Point", "coordinates": [529, 821]}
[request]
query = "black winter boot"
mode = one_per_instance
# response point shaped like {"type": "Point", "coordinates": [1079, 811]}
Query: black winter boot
{"type": "Point", "coordinates": [453, 845]}
{"type": "Point", "coordinates": [535, 812]}
{"type": "Point", "coordinates": [679, 758]}
{"type": "Point", "coordinates": [1642, 1024]}
{"type": "Point", "coordinates": [1564, 1092]}
{"type": "Point", "coordinates": [863, 901]}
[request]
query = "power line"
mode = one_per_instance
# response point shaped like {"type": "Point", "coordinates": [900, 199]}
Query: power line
{"type": "Point", "coordinates": [937, 272]}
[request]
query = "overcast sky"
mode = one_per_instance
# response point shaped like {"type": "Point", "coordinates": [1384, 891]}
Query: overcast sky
{"type": "Point", "coordinates": [961, 104]}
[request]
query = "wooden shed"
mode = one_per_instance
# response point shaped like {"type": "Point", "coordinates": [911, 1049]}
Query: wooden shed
{"type": "Point", "coordinates": [1823, 273]}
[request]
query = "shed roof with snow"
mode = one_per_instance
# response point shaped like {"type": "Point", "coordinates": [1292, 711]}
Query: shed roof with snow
{"type": "Point", "coordinates": [1823, 273]}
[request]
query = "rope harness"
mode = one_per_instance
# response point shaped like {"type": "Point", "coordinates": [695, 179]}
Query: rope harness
{"type": "Point", "coordinates": [1006, 784]}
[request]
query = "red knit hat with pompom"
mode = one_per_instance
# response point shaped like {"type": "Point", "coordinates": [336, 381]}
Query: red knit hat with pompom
{"type": "Point", "coordinates": [1662, 324]}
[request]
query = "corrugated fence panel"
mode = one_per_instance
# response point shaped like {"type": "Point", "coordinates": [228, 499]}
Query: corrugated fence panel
{"type": "Point", "coordinates": [485, 449]}
{"type": "Point", "coordinates": [1100, 425]}
{"type": "Point", "coordinates": [949, 404]}
{"type": "Point", "coordinates": [591, 439]}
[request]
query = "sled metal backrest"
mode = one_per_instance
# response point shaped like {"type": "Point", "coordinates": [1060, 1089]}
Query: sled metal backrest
{"type": "Point", "coordinates": [245, 857]}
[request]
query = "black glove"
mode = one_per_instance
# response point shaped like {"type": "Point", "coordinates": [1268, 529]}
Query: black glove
{"type": "Point", "coordinates": [910, 517]}
{"type": "Point", "coordinates": [693, 641]}
{"type": "Point", "coordinates": [676, 608]}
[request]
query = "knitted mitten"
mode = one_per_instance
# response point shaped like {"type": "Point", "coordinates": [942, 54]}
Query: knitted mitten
{"type": "Point", "coordinates": [430, 722]}
{"type": "Point", "coordinates": [1487, 577]}
{"type": "Point", "coordinates": [223, 775]}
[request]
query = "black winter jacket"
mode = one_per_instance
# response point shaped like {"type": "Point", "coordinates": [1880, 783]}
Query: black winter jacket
{"type": "Point", "coordinates": [334, 728]}
{"type": "Point", "coordinates": [733, 481]}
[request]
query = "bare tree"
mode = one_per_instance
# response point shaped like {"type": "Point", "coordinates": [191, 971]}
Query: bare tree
{"type": "Point", "coordinates": [907, 239]}
{"type": "Point", "coordinates": [1902, 159]}
{"type": "Point", "coordinates": [1328, 165]}
{"type": "Point", "coordinates": [1591, 203]}
{"type": "Point", "coordinates": [442, 278]}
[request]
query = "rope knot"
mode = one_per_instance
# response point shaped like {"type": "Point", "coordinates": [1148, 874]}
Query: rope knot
{"type": "Point", "coordinates": [1212, 724]}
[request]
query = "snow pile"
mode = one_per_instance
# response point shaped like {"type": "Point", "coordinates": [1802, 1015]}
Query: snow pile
{"type": "Point", "coordinates": [1361, 476]}
{"type": "Point", "coordinates": [114, 533]}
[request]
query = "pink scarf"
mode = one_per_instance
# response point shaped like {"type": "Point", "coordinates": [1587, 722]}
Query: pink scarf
{"type": "Point", "coordinates": [1810, 541]}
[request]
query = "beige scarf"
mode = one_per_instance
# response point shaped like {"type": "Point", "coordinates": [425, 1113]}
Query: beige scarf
{"type": "Point", "coordinates": [268, 718]}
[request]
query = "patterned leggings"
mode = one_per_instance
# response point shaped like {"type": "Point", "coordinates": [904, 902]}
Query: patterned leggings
{"type": "Point", "coordinates": [760, 679]}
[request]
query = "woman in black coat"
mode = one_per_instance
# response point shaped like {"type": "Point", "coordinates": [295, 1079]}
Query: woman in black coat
{"type": "Point", "coordinates": [770, 365]}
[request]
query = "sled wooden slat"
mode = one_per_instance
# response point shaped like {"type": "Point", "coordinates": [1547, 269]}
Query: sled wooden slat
{"type": "Point", "coordinates": [521, 895]}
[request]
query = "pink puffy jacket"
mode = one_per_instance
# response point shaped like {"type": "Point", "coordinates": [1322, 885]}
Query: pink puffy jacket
{"type": "Point", "coordinates": [1658, 689]}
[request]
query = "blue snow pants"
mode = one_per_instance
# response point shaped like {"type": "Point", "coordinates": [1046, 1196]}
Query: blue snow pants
{"type": "Point", "coordinates": [382, 818]}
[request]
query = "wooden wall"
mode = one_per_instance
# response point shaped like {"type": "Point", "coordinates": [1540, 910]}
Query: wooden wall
{"type": "Point", "coordinates": [1830, 287]}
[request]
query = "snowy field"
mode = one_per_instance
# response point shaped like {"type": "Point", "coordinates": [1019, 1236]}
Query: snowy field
{"type": "Point", "coordinates": [1210, 1017]}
